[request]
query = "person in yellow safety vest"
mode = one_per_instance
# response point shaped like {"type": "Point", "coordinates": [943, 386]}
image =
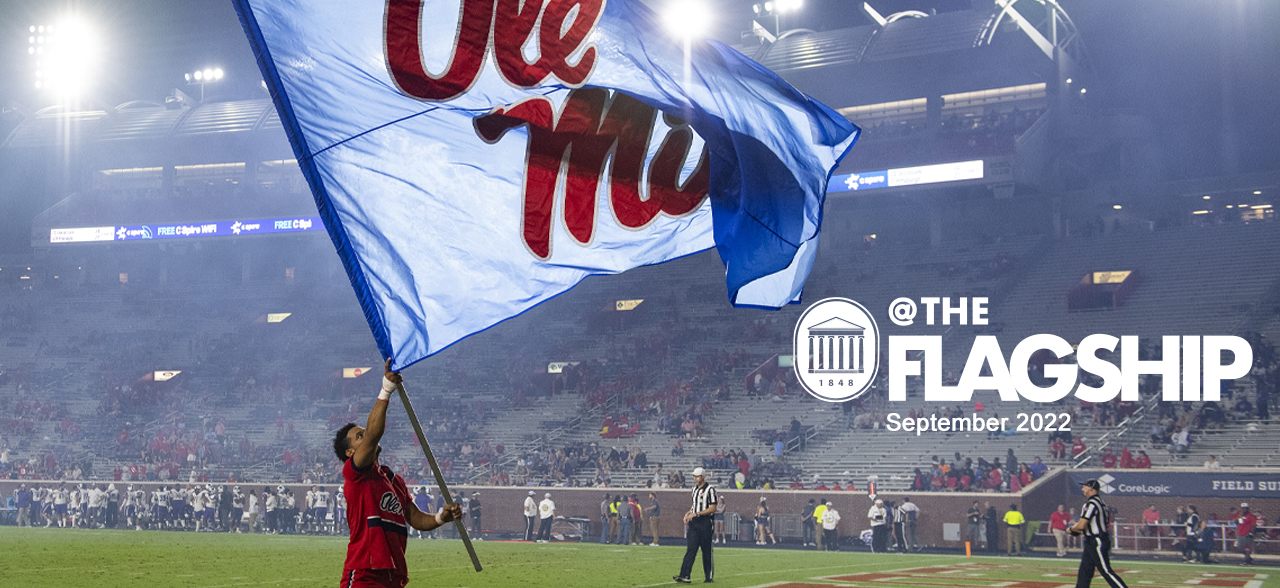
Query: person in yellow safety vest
{"type": "Point", "coordinates": [613, 520]}
{"type": "Point", "coordinates": [1016, 523]}
{"type": "Point", "coordinates": [817, 516]}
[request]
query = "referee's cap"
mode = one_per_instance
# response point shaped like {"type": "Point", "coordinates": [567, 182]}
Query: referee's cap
{"type": "Point", "coordinates": [699, 472]}
{"type": "Point", "coordinates": [531, 493]}
{"type": "Point", "coordinates": [547, 495]}
{"type": "Point", "coordinates": [1093, 484]}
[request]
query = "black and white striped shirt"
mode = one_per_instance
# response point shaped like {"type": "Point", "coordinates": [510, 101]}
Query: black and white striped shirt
{"type": "Point", "coordinates": [1095, 516]}
{"type": "Point", "coordinates": [703, 498]}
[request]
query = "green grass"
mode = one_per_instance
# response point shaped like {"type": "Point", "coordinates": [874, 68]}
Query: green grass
{"type": "Point", "coordinates": [104, 559]}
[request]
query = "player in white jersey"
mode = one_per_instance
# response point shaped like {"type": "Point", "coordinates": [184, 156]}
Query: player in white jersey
{"type": "Point", "coordinates": [291, 510]}
{"type": "Point", "coordinates": [309, 509]}
{"type": "Point", "coordinates": [320, 509]}
{"type": "Point", "coordinates": [237, 509]}
{"type": "Point", "coordinates": [200, 503]}
{"type": "Point", "coordinates": [180, 505]}
{"type": "Point", "coordinates": [97, 503]}
{"type": "Point", "coordinates": [61, 497]}
{"type": "Point", "coordinates": [82, 513]}
{"type": "Point", "coordinates": [255, 510]}
{"type": "Point", "coordinates": [126, 505]}
{"type": "Point", "coordinates": [161, 498]}
{"type": "Point", "coordinates": [340, 512]}
{"type": "Point", "coordinates": [73, 506]}
{"type": "Point", "coordinates": [271, 506]}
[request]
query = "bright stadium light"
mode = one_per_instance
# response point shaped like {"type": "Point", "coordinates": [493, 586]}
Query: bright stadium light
{"type": "Point", "coordinates": [785, 6]}
{"type": "Point", "coordinates": [687, 19]}
{"type": "Point", "coordinates": [200, 77]}
{"type": "Point", "coordinates": [1117, 207]}
{"type": "Point", "coordinates": [66, 57]}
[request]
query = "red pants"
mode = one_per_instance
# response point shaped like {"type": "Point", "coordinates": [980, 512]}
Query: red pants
{"type": "Point", "coordinates": [372, 579]}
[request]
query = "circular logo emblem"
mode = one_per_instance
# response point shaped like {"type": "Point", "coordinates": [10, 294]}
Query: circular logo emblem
{"type": "Point", "coordinates": [836, 349]}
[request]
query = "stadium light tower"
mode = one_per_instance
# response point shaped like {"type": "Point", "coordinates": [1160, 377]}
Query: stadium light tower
{"type": "Point", "coordinates": [775, 9]}
{"type": "Point", "coordinates": [64, 57]}
{"type": "Point", "coordinates": [200, 77]}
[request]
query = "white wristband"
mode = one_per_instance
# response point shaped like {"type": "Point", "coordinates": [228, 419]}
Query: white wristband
{"type": "Point", "coordinates": [387, 385]}
{"type": "Point", "coordinates": [384, 396]}
{"type": "Point", "coordinates": [439, 517]}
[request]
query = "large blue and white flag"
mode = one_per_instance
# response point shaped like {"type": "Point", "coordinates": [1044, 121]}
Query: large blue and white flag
{"type": "Point", "coordinates": [473, 158]}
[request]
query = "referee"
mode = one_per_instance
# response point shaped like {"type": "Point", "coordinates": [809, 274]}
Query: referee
{"type": "Point", "coordinates": [1094, 522]}
{"type": "Point", "coordinates": [699, 519]}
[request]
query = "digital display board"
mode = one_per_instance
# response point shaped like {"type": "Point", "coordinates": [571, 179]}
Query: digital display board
{"type": "Point", "coordinates": [906, 176]}
{"type": "Point", "coordinates": [184, 231]}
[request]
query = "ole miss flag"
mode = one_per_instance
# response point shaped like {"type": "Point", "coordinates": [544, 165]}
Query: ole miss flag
{"type": "Point", "coordinates": [473, 158]}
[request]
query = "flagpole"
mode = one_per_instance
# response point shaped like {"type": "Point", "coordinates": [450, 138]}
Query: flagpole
{"type": "Point", "coordinates": [435, 469]}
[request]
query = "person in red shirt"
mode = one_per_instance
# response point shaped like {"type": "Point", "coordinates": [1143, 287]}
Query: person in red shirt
{"type": "Point", "coordinates": [379, 510]}
{"type": "Point", "coordinates": [1126, 458]}
{"type": "Point", "coordinates": [1245, 525]}
{"type": "Point", "coordinates": [1108, 458]}
{"type": "Point", "coordinates": [1058, 522]}
{"type": "Point", "coordinates": [1142, 462]}
{"type": "Point", "coordinates": [1058, 449]}
{"type": "Point", "coordinates": [1151, 517]}
{"type": "Point", "coordinates": [1077, 447]}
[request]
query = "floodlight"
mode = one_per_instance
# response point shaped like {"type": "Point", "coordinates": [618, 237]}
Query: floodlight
{"type": "Point", "coordinates": [31, 40]}
{"type": "Point", "coordinates": [755, 8]}
{"type": "Point", "coordinates": [1208, 197]}
{"type": "Point", "coordinates": [788, 5]}
{"type": "Point", "coordinates": [1257, 192]}
{"type": "Point", "coordinates": [1068, 80]}
{"type": "Point", "coordinates": [72, 58]}
{"type": "Point", "coordinates": [187, 76]}
{"type": "Point", "coordinates": [208, 74]}
{"type": "Point", "coordinates": [1117, 207]}
{"type": "Point", "coordinates": [33, 28]}
{"type": "Point", "coordinates": [768, 6]}
{"type": "Point", "coordinates": [217, 74]}
{"type": "Point", "coordinates": [687, 19]}
{"type": "Point", "coordinates": [1083, 90]}
{"type": "Point", "coordinates": [199, 75]}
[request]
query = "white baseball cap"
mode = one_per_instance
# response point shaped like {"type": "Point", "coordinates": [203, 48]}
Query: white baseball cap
{"type": "Point", "coordinates": [698, 472]}
{"type": "Point", "coordinates": [531, 493]}
{"type": "Point", "coordinates": [547, 495]}
{"type": "Point", "coordinates": [878, 501]}
{"type": "Point", "coordinates": [1244, 505]}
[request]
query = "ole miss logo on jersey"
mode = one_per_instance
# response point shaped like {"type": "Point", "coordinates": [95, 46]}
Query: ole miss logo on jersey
{"type": "Point", "coordinates": [389, 503]}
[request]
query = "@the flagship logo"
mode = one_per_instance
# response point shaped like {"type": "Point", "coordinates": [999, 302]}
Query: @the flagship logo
{"type": "Point", "coordinates": [836, 349]}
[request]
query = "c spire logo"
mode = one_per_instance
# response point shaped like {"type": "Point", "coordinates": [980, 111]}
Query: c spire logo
{"type": "Point", "coordinates": [836, 349]}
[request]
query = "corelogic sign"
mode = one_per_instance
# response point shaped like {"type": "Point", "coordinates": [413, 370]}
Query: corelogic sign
{"type": "Point", "coordinates": [1216, 483]}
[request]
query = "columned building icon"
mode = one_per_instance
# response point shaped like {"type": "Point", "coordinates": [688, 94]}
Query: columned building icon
{"type": "Point", "coordinates": [835, 347]}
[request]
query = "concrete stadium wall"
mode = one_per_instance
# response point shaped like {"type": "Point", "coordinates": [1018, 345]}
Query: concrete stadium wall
{"type": "Point", "coordinates": [503, 506]}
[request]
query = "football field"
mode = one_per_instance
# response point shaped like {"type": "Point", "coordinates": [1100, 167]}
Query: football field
{"type": "Point", "coordinates": [106, 559]}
